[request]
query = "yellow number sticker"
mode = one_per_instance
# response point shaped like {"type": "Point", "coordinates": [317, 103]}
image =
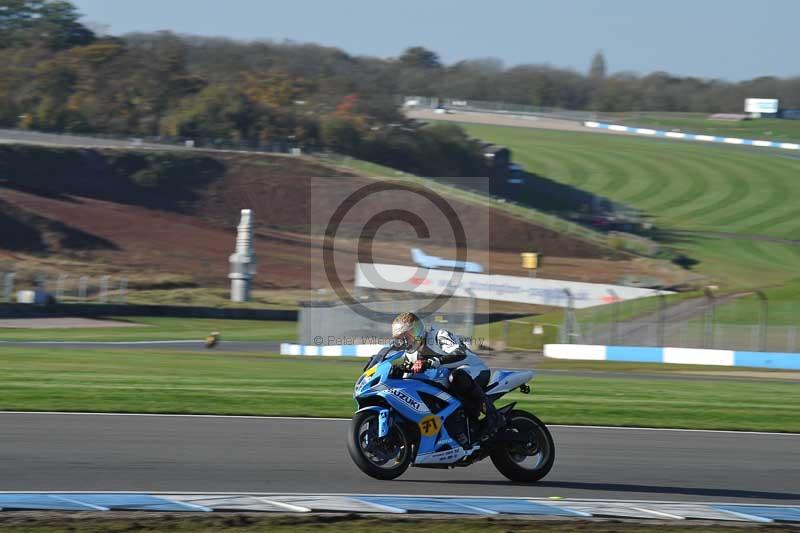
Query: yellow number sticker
{"type": "Point", "coordinates": [430, 425]}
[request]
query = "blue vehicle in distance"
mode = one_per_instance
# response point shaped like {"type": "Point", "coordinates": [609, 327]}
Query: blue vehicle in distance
{"type": "Point", "coordinates": [433, 262]}
{"type": "Point", "coordinates": [408, 419]}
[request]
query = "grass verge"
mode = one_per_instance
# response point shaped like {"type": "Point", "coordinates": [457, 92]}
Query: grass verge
{"type": "Point", "coordinates": [151, 381]}
{"type": "Point", "coordinates": [690, 190]}
{"type": "Point", "coordinates": [253, 523]}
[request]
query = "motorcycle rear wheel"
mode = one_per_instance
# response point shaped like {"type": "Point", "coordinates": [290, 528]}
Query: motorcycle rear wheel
{"type": "Point", "coordinates": [385, 458]}
{"type": "Point", "coordinates": [510, 459]}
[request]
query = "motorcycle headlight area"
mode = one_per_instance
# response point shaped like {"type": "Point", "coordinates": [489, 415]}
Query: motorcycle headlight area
{"type": "Point", "coordinates": [361, 386]}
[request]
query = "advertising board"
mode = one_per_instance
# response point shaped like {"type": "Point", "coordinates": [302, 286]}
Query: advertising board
{"type": "Point", "coordinates": [535, 291]}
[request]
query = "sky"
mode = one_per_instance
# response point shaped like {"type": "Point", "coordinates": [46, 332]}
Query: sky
{"type": "Point", "coordinates": [728, 39]}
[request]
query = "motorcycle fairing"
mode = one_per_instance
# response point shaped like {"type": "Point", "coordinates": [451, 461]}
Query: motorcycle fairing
{"type": "Point", "coordinates": [402, 396]}
{"type": "Point", "coordinates": [504, 381]}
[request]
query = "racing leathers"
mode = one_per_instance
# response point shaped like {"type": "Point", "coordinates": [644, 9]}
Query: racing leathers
{"type": "Point", "coordinates": [468, 373]}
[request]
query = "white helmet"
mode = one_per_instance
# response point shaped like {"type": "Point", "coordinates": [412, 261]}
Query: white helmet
{"type": "Point", "coordinates": [408, 332]}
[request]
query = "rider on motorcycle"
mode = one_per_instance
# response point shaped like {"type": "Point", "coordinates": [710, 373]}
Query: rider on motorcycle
{"type": "Point", "coordinates": [435, 348]}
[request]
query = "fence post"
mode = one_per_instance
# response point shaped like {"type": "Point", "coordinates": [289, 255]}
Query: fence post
{"type": "Point", "coordinates": [594, 325]}
{"type": "Point", "coordinates": [762, 321]}
{"type": "Point", "coordinates": [569, 317]}
{"type": "Point", "coordinates": [662, 308]}
{"type": "Point", "coordinates": [123, 287]}
{"type": "Point", "coordinates": [40, 282]}
{"type": "Point", "coordinates": [8, 288]}
{"type": "Point", "coordinates": [504, 334]}
{"type": "Point", "coordinates": [62, 281]}
{"type": "Point", "coordinates": [708, 341]}
{"type": "Point", "coordinates": [104, 281]}
{"type": "Point", "coordinates": [614, 317]}
{"type": "Point", "coordinates": [83, 283]}
{"type": "Point", "coordinates": [470, 318]}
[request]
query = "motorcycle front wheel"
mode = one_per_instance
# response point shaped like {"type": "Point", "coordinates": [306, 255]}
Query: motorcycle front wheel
{"type": "Point", "coordinates": [381, 458]}
{"type": "Point", "coordinates": [528, 459]}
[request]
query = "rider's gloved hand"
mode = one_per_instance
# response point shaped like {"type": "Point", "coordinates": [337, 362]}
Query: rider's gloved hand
{"type": "Point", "coordinates": [418, 366]}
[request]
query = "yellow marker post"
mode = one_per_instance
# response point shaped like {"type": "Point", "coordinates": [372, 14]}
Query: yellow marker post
{"type": "Point", "coordinates": [530, 261]}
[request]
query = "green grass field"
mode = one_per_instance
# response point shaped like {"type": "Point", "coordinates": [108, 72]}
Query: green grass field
{"type": "Point", "coordinates": [151, 381]}
{"type": "Point", "coordinates": [692, 189]}
{"type": "Point", "coordinates": [229, 522]}
{"type": "Point", "coordinates": [769, 129]}
{"type": "Point", "coordinates": [162, 328]}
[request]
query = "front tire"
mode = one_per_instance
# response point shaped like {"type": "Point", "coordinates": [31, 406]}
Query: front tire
{"type": "Point", "coordinates": [385, 458]}
{"type": "Point", "coordinates": [511, 458]}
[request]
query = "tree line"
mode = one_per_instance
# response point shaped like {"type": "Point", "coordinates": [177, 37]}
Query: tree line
{"type": "Point", "coordinates": [56, 74]}
{"type": "Point", "coordinates": [596, 90]}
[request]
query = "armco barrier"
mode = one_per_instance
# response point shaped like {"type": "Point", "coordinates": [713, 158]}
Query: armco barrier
{"type": "Point", "coordinates": [691, 136]}
{"type": "Point", "coordinates": [683, 356]}
{"type": "Point", "coordinates": [336, 350]}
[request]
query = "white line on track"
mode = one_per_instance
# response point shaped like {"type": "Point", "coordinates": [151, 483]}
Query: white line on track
{"type": "Point", "coordinates": [333, 419]}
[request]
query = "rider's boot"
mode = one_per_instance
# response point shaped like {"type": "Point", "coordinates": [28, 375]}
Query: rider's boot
{"type": "Point", "coordinates": [461, 429]}
{"type": "Point", "coordinates": [492, 422]}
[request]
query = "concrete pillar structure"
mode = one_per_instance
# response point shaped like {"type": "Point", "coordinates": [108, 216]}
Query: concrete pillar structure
{"type": "Point", "coordinates": [243, 260]}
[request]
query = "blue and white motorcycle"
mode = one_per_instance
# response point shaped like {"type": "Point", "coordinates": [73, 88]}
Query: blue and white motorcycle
{"type": "Point", "coordinates": [406, 419]}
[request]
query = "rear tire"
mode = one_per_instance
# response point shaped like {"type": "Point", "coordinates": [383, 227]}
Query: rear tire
{"type": "Point", "coordinates": [509, 458]}
{"type": "Point", "coordinates": [363, 431]}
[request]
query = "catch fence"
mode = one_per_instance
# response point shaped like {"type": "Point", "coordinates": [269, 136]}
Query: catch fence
{"type": "Point", "coordinates": [63, 288]}
{"type": "Point", "coordinates": [741, 322]}
{"type": "Point", "coordinates": [368, 320]}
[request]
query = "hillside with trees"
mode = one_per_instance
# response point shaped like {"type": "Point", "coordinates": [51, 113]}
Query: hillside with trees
{"type": "Point", "coordinates": [58, 75]}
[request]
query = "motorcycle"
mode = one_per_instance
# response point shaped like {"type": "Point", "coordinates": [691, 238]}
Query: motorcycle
{"type": "Point", "coordinates": [408, 419]}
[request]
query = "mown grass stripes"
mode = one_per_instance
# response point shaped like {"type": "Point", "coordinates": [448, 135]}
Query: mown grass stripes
{"type": "Point", "coordinates": [152, 381]}
{"type": "Point", "coordinates": [682, 186]}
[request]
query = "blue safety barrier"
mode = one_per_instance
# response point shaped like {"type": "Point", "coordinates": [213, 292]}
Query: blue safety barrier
{"type": "Point", "coordinates": [691, 136]}
{"type": "Point", "coordinates": [685, 356]}
{"type": "Point", "coordinates": [333, 350]}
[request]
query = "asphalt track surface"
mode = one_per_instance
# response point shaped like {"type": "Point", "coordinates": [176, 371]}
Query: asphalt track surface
{"type": "Point", "coordinates": [85, 452]}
